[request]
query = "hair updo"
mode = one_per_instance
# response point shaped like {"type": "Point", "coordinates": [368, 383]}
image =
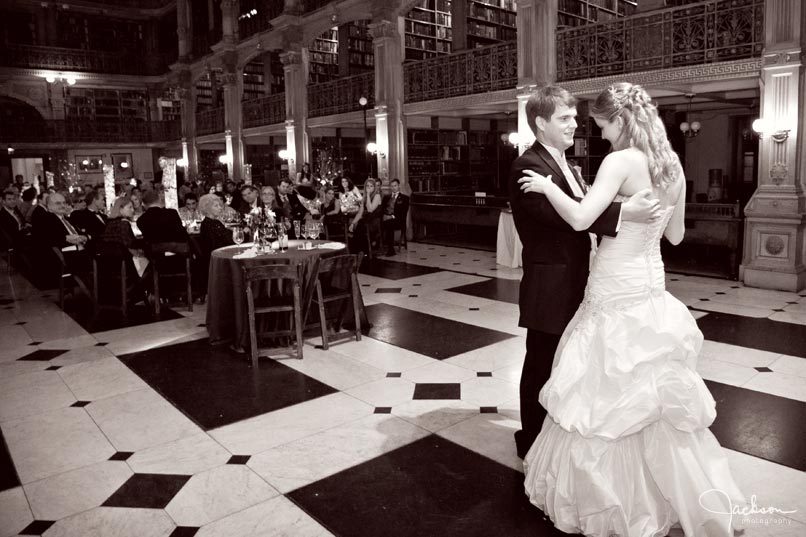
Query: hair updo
{"type": "Point", "coordinates": [643, 129]}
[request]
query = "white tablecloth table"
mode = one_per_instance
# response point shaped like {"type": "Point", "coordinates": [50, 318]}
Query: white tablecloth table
{"type": "Point", "coordinates": [508, 247]}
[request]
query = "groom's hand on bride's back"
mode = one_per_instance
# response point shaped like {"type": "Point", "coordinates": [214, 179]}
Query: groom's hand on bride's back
{"type": "Point", "coordinates": [640, 207]}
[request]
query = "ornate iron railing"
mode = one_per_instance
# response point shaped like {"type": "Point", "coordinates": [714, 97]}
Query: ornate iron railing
{"type": "Point", "coordinates": [256, 16]}
{"type": "Point", "coordinates": [477, 70]}
{"type": "Point", "coordinates": [210, 121]}
{"type": "Point", "coordinates": [266, 110]}
{"type": "Point", "coordinates": [341, 95]}
{"type": "Point", "coordinates": [140, 4]}
{"type": "Point", "coordinates": [459, 200]}
{"type": "Point", "coordinates": [83, 130]}
{"type": "Point", "coordinates": [693, 34]}
{"type": "Point", "coordinates": [69, 59]}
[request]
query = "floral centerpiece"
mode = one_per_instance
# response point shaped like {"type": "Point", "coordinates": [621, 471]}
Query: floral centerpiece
{"type": "Point", "coordinates": [262, 220]}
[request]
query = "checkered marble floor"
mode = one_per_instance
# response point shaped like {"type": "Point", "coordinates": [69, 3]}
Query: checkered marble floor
{"type": "Point", "coordinates": [149, 430]}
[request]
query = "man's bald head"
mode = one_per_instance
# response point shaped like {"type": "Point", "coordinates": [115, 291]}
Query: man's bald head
{"type": "Point", "coordinates": [57, 204]}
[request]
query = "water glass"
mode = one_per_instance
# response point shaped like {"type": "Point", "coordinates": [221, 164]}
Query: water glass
{"type": "Point", "coordinates": [297, 225]}
{"type": "Point", "coordinates": [237, 235]}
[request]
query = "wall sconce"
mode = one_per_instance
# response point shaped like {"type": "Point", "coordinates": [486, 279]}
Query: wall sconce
{"type": "Point", "coordinates": [179, 162]}
{"type": "Point", "coordinates": [223, 159]}
{"type": "Point", "coordinates": [283, 154]}
{"type": "Point", "coordinates": [512, 138]}
{"type": "Point", "coordinates": [690, 130]}
{"type": "Point", "coordinates": [762, 127]}
{"type": "Point", "coordinates": [373, 149]}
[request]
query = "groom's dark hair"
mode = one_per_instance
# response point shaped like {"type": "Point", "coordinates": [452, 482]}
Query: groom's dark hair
{"type": "Point", "coordinates": [543, 102]}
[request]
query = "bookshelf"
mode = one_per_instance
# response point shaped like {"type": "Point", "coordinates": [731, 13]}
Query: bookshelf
{"type": "Point", "coordinates": [490, 22]}
{"type": "Point", "coordinates": [355, 39]}
{"type": "Point", "coordinates": [428, 31]}
{"type": "Point", "coordinates": [263, 76]}
{"type": "Point", "coordinates": [580, 12]}
{"type": "Point", "coordinates": [324, 57]}
{"type": "Point", "coordinates": [450, 160]}
{"type": "Point", "coordinates": [105, 104]}
{"type": "Point", "coordinates": [589, 149]}
{"type": "Point", "coordinates": [208, 91]}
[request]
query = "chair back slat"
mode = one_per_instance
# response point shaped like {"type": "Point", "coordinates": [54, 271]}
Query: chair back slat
{"type": "Point", "coordinates": [161, 248]}
{"type": "Point", "coordinates": [347, 263]}
{"type": "Point", "coordinates": [273, 272]}
{"type": "Point", "coordinates": [110, 249]}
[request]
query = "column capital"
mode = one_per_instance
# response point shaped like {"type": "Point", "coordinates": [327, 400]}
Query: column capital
{"type": "Point", "coordinates": [291, 57]}
{"type": "Point", "coordinates": [383, 29]}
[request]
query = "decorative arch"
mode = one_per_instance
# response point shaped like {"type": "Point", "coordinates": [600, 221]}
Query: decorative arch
{"type": "Point", "coordinates": [25, 96]}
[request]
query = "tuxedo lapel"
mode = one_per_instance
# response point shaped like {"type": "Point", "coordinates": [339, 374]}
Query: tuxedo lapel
{"type": "Point", "coordinates": [557, 175]}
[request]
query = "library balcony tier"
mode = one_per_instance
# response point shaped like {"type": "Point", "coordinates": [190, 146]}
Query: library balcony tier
{"type": "Point", "coordinates": [693, 34]}
{"type": "Point", "coordinates": [210, 121]}
{"type": "Point", "coordinates": [264, 111]}
{"type": "Point", "coordinates": [341, 95]}
{"type": "Point", "coordinates": [81, 130]}
{"type": "Point", "coordinates": [81, 60]}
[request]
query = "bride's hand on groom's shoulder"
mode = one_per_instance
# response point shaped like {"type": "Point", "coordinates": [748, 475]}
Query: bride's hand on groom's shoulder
{"type": "Point", "coordinates": [534, 182]}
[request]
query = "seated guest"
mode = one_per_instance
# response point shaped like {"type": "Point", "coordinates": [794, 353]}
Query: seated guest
{"type": "Point", "coordinates": [395, 209]}
{"type": "Point", "coordinates": [136, 195]}
{"type": "Point", "coordinates": [12, 221]}
{"type": "Point", "coordinates": [91, 221]}
{"type": "Point", "coordinates": [289, 203]}
{"type": "Point", "coordinates": [350, 197]}
{"type": "Point", "coordinates": [268, 199]}
{"type": "Point", "coordinates": [368, 214]}
{"type": "Point", "coordinates": [248, 201]}
{"type": "Point", "coordinates": [53, 229]}
{"type": "Point", "coordinates": [213, 233]}
{"type": "Point", "coordinates": [190, 211]}
{"type": "Point", "coordinates": [159, 224]}
{"type": "Point", "coordinates": [26, 206]}
{"type": "Point", "coordinates": [184, 190]}
{"type": "Point", "coordinates": [119, 230]}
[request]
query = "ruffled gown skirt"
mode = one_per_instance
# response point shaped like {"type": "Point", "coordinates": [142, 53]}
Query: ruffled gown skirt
{"type": "Point", "coordinates": [625, 449]}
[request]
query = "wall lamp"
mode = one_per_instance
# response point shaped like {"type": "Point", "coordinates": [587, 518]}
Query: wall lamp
{"type": "Point", "coordinates": [372, 148]}
{"type": "Point", "coordinates": [64, 79]}
{"type": "Point", "coordinates": [763, 127]}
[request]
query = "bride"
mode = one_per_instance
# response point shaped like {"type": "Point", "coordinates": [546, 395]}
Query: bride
{"type": "Point", "coordinates": [625, 449]}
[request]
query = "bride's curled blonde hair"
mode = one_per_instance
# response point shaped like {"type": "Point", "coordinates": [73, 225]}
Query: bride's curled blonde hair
{"type": "Point", "coordinates": [643, 129]}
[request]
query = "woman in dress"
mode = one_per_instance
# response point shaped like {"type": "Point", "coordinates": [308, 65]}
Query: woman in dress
{"type": "Point", "coordinates": [213, 233]}
{"type": "Point", "coordinates": [369, 213]}
{"type": "Point", "coordinates": [625, 449]}
{"type": "Point", "coordinates": [268, 198]}
{"type": "Point", "coordinates": [350, 198]}
{"type": "Point", "coordinates": [119, 230]}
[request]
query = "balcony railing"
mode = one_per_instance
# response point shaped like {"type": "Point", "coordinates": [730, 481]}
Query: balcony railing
{"type": "Point", "coordinates": [89, 131]}
{"type": "Point", "coordinates": [140, 4]}
{"type": "Point", "coordinates": [463, 73]}
{"type": "Point", "coordinates": [68, 59]}
{"type": "Point", "coordinates": [705, 32]}
{"type": "Point", "coordinates": [249, 24]}
{"type": "Point", "coordinates": [266, 110]}
{"type": "Point", "coordinates": [210, 121]}
{"type": "Point", "coordinates": [341, 95]}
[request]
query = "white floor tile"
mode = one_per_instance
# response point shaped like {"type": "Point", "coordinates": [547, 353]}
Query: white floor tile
{"type": "Point", "coordinates": [15, 514]}
{"type": "Point", "coordinates": [98, 379]}
{"type": "Point", "coordinates": [310, 459]}
{"type": "Point", "coordinates": [117, 521]}
{"type": "Point", "coordinates": [186, 456]}
{"type": "Point", "coordinates": [140, 419]}
{"type": "Point", "coordinates": [75, 491]}
{"type": "Point", "coordinates": [32, 393]}
{"type": "Point", "coordinates": [58, 441]}
{"type": "Point", "coordinates": [779, 384]}
{"type": "Point", "coordinates": [258, 434]}
{"type": "Point", "coordinates": [334, 369]}
{"type": "Point", "coordinates": [490, 435]}
{"type": "Point", "coordinates": [488, 391]}
{"type": "Point", "coordinates": [385, 392]}
{"type": "Point", "coordinates": [724, 352]}
{"type": "Point", "coordinates": [438, 372]}
{"type": "Point", "coordinates": [790, 365]}
{"type": "Point", "coordinates": [216, 493]}
{"type": "Point", "coordinates": [733, 309]}
{"type": "Point", "coordinates": [278, 517]}
{"type": "Point", "coordinates": [435, 415]}
{"type": "Point", "coordinates": [382, 355]}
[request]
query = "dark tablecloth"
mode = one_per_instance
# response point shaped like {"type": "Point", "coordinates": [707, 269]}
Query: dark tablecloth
{"type": "Point", "coordinates": [227, 317]}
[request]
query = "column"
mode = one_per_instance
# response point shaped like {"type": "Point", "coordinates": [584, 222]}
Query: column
{"type": "Point", "coordinates": [775, 217]}
{"type": "Point", "coordinates": [390, 122]}
{"type": "Point", "coordinates": [233, 87]}
{"type": "Point", "coordinates": [183, 31]}
{"type": "Point", "coordinates": [459, 12]}
{"type": "Point", "coordinates": [187, 97]}
{"type": "Point", "coordinates": [229, 21]}
{"type": "Point", "coordinates": [537, 56]}
{"type": "Point", "coordinates": [298, 143]}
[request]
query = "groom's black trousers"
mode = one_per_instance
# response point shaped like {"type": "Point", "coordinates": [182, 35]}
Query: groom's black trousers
{"type": "Point", "coordinates": [540, 348]}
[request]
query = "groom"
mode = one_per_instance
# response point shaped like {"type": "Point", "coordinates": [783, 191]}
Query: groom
{"type": "Point", "coordinates": [555, 257]}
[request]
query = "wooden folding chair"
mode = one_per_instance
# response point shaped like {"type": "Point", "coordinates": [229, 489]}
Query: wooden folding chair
{"type": "Point", "coordinates": [339, 266]}
{"type": "Point", "coordinates": [114, 261]}
{"type": "Point", "coordinates": [265, 275]}
{"type": "Point", "coordinates": [160, 256]}
{"type": "Point", "coordinates": [66, 276]}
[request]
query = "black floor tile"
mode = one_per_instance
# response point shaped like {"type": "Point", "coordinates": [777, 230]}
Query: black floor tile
{"type": "Point", "coordinates": [37, 527]}
{"type": "Point", "coordinates": [427, 488]}
{"type": "Point", "coordinates": [121, 456]}
{"type": "Point", "coordinates": [147, 491]}
{"type": "Point", "coordinates": [215, 387]}
{"type": "Point", "coordinates": [139, 315]}
{"type": "Point", "coordinates": [760, 424]}
{"type": "Point", "coordinates": [761, 334]}
{"type": "Point", "coordinates": [494, 289]}
{"type": "Point", "coordinates": [434, 390]}
{"type": "Point", "coordinates": [42, 355]}
{"type": "Point", "coordinates": [184, 531]}
{"type": "Point", "coordinates": [425, 334]}
{"type": "Point", "coordinates": [394, 270]}
{"type": "Point", "coordinates": [8, 473]}
{"type": "Point", "coordinates": [239, 459]}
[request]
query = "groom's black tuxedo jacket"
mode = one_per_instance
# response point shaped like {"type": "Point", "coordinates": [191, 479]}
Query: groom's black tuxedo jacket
{"type": "Point", "coordinates": [555, 257]}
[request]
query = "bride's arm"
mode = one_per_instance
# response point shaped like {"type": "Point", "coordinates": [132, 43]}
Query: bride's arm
{"type": "Point", "coordinates": [580, 215]}
{"type": "Point", "coordinates": [676, 228]}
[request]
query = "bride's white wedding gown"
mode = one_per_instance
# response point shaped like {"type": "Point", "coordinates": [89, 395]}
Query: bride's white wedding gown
{"type": "Point", "coordinates": [625, 449]}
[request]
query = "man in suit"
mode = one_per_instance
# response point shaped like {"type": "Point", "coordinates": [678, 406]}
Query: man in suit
{"type": "Point", "coordinates": [289, 203]}
{"type": "Point", "coordinates": [91, 219]}
{"type": "Point", "coordinates": [159, 224]}
{"type": "Point", "coordinates": [15, 230]}
{"type": "Point", "coordinates": [249, 200]}
{"type": "Point", "coordinates": [395, 208]}
{"type": "Point", "coordinates": [52, 229]}
{"type": "Point", "coordinates": [555, 257]}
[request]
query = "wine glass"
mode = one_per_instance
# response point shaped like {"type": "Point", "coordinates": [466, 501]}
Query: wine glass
{"type": "Point", "coordinates": [297, 225]}
{"type": "Point", "coordinates": [237, 235]}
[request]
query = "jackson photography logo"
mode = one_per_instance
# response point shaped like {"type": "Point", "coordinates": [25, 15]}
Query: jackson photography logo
{"type": "Point", "coordinates": [748, 515]}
